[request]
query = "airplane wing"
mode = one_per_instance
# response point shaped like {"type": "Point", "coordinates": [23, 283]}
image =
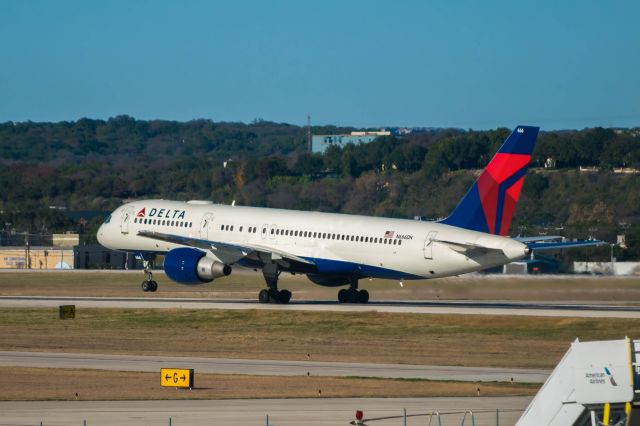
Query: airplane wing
{"type": "Point", "coordinates": [563, 244]}
{"type": "Point", "coordinates": [226, 252]}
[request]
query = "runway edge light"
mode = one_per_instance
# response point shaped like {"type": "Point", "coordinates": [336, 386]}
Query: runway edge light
{"type": "Point", "coordinates": [359, 419]}
{"type": "Point", "coordinates": [177, 377]}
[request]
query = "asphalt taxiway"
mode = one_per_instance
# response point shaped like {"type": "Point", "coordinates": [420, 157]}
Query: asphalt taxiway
{"type": "Point", "coordinates": [287, 412]}
{"type": "Point", "coordinates": [268, 367]}
{"type": "Point", "coordinates": [397, 306]}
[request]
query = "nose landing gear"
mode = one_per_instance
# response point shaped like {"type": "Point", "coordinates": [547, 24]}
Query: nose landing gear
{"type": "Point", "coordinates": [149, 284]}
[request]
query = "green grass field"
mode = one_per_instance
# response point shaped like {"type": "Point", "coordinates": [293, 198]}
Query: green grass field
{"type": "Point", "coordinates": [40, 384]}
{"type": "Point", "coordinates": [246, 284]}
{"type": "Point", "coordinates": [466, 340]}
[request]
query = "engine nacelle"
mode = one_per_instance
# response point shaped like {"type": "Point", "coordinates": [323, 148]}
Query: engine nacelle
{"type": "Point", "coordinates": [192, 266]}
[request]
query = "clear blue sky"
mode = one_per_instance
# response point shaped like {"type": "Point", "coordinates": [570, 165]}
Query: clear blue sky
{"type": "Point", "coordinates": [469, 64]}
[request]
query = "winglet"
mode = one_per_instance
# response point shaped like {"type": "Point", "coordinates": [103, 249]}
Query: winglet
{"type": "Point", "coordinates": [490, 203]}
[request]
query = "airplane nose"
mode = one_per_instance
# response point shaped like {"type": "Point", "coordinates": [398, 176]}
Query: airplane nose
{"type": "Point", "coordinates": [100, 235]}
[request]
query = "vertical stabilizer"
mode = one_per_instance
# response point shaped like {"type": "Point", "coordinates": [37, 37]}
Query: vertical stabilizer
{"type": "Point", "coordinates": [490, 203]}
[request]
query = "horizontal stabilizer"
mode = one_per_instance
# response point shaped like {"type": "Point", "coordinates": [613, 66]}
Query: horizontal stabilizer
{"type": "Point", "coordinates": [536, 239]}
{"type": "Point", "coordinates": [468, 249]}
{"type": "Point", "coordinates": [564, 244]}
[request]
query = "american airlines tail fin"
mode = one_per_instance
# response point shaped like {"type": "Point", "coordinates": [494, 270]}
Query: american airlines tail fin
{"type": "Point", "coordinates": [490, 203]}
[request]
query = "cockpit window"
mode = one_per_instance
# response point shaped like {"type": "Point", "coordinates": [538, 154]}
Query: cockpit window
{"type": "Point", "coordinates": [108, 219]}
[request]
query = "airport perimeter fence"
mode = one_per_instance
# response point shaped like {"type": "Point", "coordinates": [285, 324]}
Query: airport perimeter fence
{"type": "Point", "coordinates": [437, 418]}
{"type": "Point", "coordinates": [431, 418]}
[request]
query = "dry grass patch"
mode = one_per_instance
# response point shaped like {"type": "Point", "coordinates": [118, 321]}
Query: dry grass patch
{"type": "Point", "coordinates": [62, 384]}
{"type": "Point", "coordinates": [471, 340]}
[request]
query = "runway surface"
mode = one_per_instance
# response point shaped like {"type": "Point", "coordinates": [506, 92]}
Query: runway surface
{"type": "Point", "coordinates": [287, 412]}
{"type": "Point", "coordinates": [418, 307]}
{"type": "Point", "coordinates": [268, 367]}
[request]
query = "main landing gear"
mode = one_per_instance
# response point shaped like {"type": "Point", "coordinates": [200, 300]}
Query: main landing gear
{"type": "Point", "coordinates": [353, 295]}
{"type": "Point", "coordinates": [271, 272]}
{"type": "Point", "coordinates": [148, 284]}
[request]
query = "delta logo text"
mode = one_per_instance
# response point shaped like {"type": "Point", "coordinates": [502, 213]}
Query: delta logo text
{"type": "Point", "coordinates": [162, 213]}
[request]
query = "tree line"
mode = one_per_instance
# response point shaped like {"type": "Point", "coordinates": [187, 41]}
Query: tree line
{"type": "Point", "coordinates": [92, 165]}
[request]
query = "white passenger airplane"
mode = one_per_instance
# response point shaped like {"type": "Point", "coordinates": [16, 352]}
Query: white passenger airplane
{"type": "Point", "coordinates": [201, 240]}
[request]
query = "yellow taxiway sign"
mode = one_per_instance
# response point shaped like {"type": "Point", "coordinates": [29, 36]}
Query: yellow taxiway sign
{"type": "Point", "coordinates": [176, 377]}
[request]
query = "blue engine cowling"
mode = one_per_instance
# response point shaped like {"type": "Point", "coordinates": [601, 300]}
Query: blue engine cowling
{"type": "Point", "coordinates": [191, 266]}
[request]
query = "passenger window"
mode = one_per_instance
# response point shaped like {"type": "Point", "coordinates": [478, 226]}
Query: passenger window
{"type": "Point", "coordinates": [232, 227]}
{"type": "Point", "coordinates": [272, 231]}
{"type": "Point", "coordinates": [399, 242]}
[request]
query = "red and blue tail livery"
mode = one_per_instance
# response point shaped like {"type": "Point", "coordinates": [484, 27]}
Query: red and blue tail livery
{"type": "Point", "coordinates": [490, 203]}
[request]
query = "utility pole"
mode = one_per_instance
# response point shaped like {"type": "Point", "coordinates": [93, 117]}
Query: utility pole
{"type": "Point", "coordinates": [612, 261]}
{"type": "Point", "coordinates": [309, 133]}
{"type": "Point", "coordinates": [27, 251]}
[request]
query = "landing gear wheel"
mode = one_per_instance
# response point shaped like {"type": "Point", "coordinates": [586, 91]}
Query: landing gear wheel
{"type": "Point", "coordinates": [343, 296]}
{"type": "Point", "coordinates": [263, 296]}
{"type": "Point", "coordinates": [274, 296]}
{"type": "Point", "coordinates": [284, 296]}
{"type": "Point", "coordinates": [146, 286]}
{"type": "Point", "coordinates": [363, 296]}
{"type": "Point", "coordinates": [154, 286]}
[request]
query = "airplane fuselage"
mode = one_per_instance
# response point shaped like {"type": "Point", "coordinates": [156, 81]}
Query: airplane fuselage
{"type": "Point", "coordinates": [339, 244]}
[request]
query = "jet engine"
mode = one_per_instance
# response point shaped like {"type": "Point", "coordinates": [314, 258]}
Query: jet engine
{"type": "Point", "coordinates": [192, 266]}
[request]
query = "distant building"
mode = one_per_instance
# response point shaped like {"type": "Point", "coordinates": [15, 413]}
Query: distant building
{"type": "Point", "coordinates": [95, 256]}
{"type": "Point", "coordinates": [36, 258]}
{"type": "Point", "coordinates": [320, 143]}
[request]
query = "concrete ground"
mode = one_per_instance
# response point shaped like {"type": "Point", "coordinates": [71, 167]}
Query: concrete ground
{"type": "Point", "coordinates": [539, 309]}
{"type": "Point", "coordinates": [287, 412]}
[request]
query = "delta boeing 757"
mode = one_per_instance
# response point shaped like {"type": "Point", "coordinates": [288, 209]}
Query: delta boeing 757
{"type": "Point", "coordinates": [201, 241]}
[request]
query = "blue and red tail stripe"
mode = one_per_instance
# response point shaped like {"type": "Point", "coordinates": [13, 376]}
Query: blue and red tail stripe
{"type": "Point", "coordinates": [491, 202]}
